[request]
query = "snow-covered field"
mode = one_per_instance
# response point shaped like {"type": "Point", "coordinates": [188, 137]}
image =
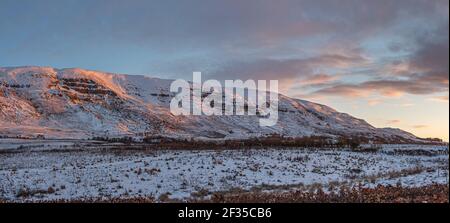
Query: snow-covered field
{"type": "Point", "coordinates": [73, 170]}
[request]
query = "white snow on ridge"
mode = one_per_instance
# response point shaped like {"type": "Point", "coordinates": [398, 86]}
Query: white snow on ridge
{"type": "Point", "coordinates": [54, 102]}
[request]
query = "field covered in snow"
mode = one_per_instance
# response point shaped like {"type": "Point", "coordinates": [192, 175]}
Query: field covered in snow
{"type": "Point", "coordinates": [72, 170]}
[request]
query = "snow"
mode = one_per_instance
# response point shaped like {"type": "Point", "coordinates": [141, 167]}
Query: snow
{"type": "Point", "coordinates": [40, 101]}
{"type": "Point", "coordinates": [118, 104]}
{"type": "Point", "coordinates": [82, 169]}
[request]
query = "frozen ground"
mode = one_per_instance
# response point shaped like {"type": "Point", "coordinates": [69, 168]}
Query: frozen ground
{"type": "Point", "coordinates": [73, 170]}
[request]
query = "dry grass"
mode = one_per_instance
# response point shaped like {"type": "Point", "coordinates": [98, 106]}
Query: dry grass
{"type": "Point", "coordinates": [437, 193]}
{"type": "Point", "coordinates": [381, 194]}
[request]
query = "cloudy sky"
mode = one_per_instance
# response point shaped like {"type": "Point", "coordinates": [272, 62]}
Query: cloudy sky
{"type": "Point", "coordinates": [385, 61]}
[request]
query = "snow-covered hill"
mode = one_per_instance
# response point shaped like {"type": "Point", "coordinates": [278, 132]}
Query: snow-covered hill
{"type": "Point", "coordinates": [77, 103]}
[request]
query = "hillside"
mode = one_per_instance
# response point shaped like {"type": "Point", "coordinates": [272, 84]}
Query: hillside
{"type": "Point", "coordinates": [77, 103]}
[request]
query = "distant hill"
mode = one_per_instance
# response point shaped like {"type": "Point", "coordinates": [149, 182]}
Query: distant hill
{"type": "Point", "coordinates": [77, 103]}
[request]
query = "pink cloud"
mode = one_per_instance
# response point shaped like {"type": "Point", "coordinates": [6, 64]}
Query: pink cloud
{"type": "Point", "coordinates": [440, 98]}
{"type": "Point", "coordinates": [374, 102]}
{"type": "Point", "coordinates": [392, 122]}
{"type": "Point", "coordinates": [318, 79]}
{"type": "Point", "coordinates": [420, 126]}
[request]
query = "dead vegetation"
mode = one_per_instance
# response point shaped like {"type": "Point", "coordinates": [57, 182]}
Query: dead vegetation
{"type": "Point", "coordinates": [25, 192]}
{"type": "Point", "coordinates": [436, 193]}
{"type": "Point", "coordinates": [381, 194]}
